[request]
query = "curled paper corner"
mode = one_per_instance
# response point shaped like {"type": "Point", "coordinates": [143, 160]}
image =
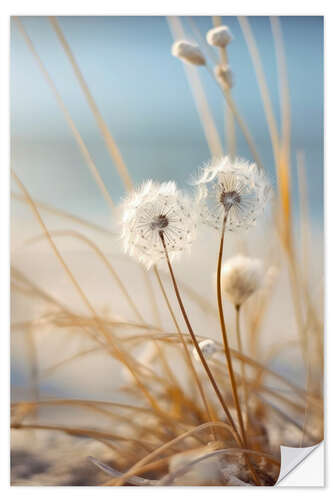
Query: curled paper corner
{"type": "Point", "coordinates": [309, 473]}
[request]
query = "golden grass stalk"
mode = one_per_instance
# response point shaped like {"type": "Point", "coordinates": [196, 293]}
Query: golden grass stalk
{"type": "Point", "coordinates": [161, 449]}
{"type": "Point", "coordinates": [109, 141]}
{"type": "Point", "coordinates": [103, 258]}
{"type": "Point", "coordinates": [206, 118]}
{"type": "Point", "coordinates": [271, 122]}
{"type": "Point", "coordinates": [107, 136]}
{"type": "Point", "coordinates": [283, 86]}
{"type": "Point", "coordinates": [226, 451]}
{"type": "Point", "coordinates": [83, 148]}
{"type": "Point", "coordinates": [115, 348]}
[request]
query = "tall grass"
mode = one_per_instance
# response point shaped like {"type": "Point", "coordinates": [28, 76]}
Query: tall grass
{"type": "Point", "coordinates": [174, 406]}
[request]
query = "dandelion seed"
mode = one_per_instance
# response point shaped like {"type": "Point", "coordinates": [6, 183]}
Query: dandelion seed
{"type": "Point", "coordinates": [156, 210]}
{"type": "Point", "coordinates": [188, 52]}
{"type": "Point", "coordinates": [241, 277]}
{"type": "Point", "coordinates": [224, 75]}
{"type": "Point", "coordinates": [231, 187]}
{"type": "Point", "coordinates": [208, 348]}
{"type": "Point", "coordinates": [219, 36]}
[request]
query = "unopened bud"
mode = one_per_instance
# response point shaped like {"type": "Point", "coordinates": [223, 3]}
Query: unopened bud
{"type": "Point", "coordinates": [219, 36]}
{"type": "Point", "coordinates": [188, 52]}
{"type": "Point", "coordinates": [224, 75]}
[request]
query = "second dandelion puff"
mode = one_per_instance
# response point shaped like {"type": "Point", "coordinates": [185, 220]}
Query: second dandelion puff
{"type": "Point", "coordinates": [236, 188]}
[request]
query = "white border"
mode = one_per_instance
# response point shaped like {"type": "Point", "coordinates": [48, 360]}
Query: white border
{"type": "Point", "coordinates": [206, 7]}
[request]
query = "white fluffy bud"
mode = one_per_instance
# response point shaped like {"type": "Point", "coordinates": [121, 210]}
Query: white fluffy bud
{"type": "Point", "coordinates": [208, 348]}
{"type": "Point", "coordinates": [241, 277]}
{"type": "Point", "coordinates": [188, 52]}
{"type": "Point", "coordinates": [219, 36]}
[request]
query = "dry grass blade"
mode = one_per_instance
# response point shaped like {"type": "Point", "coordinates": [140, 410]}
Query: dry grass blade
{"type": "Point", "coordinates": [109, 141]}
{"type": "Point", "coordinates": [134, 480]}
{"type": "Point", "coordinates": [62, 213]}
{"type": "Point", "coordinates": [136, 469]}
{"type": "Point", "coordinates": [272, 126]}
{"type": "Point", "coordinates": [172, 476]}
{"type": "Point", "coordinates": [83, 148]}
{"type": "Point", "coordinates": [105, 260]}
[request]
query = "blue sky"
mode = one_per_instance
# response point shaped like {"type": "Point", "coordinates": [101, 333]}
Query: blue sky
{"type": "Point", "coordinates": [145, 99]}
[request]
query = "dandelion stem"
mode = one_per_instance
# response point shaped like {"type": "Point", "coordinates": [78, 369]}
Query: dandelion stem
{"type": "Point", "coordinates": [186, 351]}
{"type": "Point", "coordinates": [226, 344]}
{"type": "Point", "coordinates": [195, 342]}
{"type": "Point", "coordinates": [243, 368]}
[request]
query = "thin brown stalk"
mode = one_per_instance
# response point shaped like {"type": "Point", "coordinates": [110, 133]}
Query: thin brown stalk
{"type": "Point", "coordinates": [227, 351]}
{"type": "Point", "coordinates": [83, 148]}
{"type": "Point", "coordinates": [187, 355]}
{"type": "Point", "coordinates": [109, 141]}
{"type": "Point", "coordinates": [243, 367]}
{"type": "Point", "coordinates": [195, 342]}
{"type": "Point", "coordinates": [225, 336]}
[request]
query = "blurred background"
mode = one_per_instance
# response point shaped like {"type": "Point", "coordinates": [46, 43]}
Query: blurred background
{"type": "Point", "coordinates": [145, 99]}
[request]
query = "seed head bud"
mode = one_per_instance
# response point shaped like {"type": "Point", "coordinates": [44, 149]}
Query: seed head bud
{"type": "Point", "coordinates": [224, 75]}
{"type": "Point", "coordinates": [208, 348]}
{"type": "Point", "coordinates": [188, 52]}
{"type": "Point", "coordinates": [219, 36]}
{"type": "Point", "coordinates": [241, 277]}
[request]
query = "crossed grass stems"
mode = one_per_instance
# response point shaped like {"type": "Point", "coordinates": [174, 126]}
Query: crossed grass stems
{"type": "Point", "coordinates": [109, 340]}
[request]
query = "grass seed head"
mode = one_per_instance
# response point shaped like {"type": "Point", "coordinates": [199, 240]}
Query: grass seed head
{"type": "Point", "coordinates": [219, 36]}
{"type": "Point", "coordinates": [188, 52]}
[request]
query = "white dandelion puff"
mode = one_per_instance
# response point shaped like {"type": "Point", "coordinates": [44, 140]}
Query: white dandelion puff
{"type": "Point", "coordinates": [153, 212]}
{"type": "Point", "coordinates": [208, 348]}
{"type": "Point", "coordinates": [188, 52]}
{"type": "Point", "coordinates": [219, 36]}
{"type": "Point", "coordinates": [241, 277]}
{"type": "Point", "coordinates": [234, 188]}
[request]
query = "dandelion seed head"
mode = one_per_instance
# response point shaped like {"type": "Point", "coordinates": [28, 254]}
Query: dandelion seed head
{"type": "Point", "coordinates": [208, 348]}
{"type": "Point", "coordinates": [154, 210]}
{"type": "Point", "coordinates": [188, 52]}
{"type": "Point", "coordinates": [233, 187]}
{"type": "Point", "coordinates": [219, 36]}
{"type": "Point", "coordinates": [241, 276]}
